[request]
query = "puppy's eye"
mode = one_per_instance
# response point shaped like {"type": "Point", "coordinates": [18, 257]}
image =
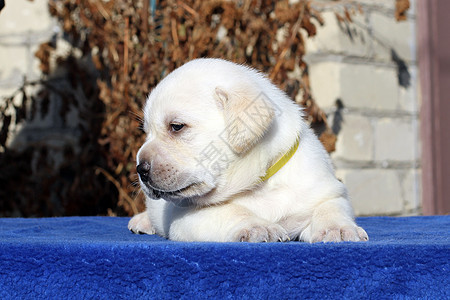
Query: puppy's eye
{"type": "Point", "coordinates": [176, 127]}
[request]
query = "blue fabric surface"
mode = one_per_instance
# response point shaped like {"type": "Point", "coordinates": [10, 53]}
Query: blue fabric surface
{"type": "Point", "coordinates": [97, 257]}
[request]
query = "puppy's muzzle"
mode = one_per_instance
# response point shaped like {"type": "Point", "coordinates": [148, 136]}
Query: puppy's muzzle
{"type": "Point", "coordinates": [144, 170]}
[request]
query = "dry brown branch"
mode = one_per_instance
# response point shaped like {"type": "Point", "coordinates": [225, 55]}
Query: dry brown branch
{"type": "Point", "coordinates": [133, 52]}
{"type": "Point", "coordinates": [294, 32]}
{"type": "Point", "coordinates": [122, 192]}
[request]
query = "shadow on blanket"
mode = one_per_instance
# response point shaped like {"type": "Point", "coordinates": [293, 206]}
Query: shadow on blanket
{"type": "Point", "coordinates": [97, 257]}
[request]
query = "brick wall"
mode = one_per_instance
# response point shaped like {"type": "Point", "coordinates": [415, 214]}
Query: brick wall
{"type": "Point", "coordinates": [370, 67]}
{"type": "Point", "coordinates": [378, 148]}
{"type": "Point", "coordinates": [24, 25]}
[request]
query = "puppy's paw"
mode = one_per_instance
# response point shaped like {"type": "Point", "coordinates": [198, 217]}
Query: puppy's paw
{"type": "Point", "coordinates": [256, 233]}
{"type": "Point", "coordinates": [335, 233]}
{"type": "Point", "coordinates": [140, 223]}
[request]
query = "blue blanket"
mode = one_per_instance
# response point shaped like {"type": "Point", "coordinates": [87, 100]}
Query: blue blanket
{"type": "Point", "coordinates": [97, 257]}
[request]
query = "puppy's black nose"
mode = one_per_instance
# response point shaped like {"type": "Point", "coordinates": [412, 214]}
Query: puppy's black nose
{"type": "Point", "coordinates": [143, 170]}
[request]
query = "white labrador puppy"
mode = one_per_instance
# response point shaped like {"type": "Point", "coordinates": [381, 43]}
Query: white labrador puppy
{"type": "Point", "coordinates": [228, 158]}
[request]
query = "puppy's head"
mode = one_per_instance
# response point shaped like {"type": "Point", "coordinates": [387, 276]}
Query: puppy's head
{"type": "Point", "coordinates": [200, 121]}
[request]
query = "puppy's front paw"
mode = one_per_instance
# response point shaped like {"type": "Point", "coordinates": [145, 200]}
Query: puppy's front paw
{"type": "Point", "coordinates": [335, 233]}
{"type": "Point", "coordinates": [140, 223]}
{"type": "Point", "coordinates": [256, 233]}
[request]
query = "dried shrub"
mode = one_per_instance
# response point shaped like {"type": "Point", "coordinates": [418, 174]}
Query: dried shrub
{"type": "Point", "coordinates": [136, 46]}
{"type": "Point", "coordinates": [133, 45]}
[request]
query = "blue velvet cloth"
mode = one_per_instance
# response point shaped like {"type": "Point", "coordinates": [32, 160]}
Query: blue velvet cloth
{"type": "Point", "coordinates": [98, 258]}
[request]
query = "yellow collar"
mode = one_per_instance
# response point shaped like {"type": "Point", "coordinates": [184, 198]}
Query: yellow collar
{"type": "Point", "coordinates": [281, 162]}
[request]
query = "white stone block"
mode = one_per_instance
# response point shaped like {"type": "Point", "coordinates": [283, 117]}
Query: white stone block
{"type": "Point", "coordinates": [400, 36]}
{"type": "Point", "coordinates": [370, 35]}
{"type": "Point", "coordinates": [378, 3]}
{"type": "Point", "coordinates": [325, 82]}
{"type": "Point", "coordinates": [21, 16]}
{"type": "Point", "coordinates": [357, 85]}
{"type": "Point", "coordinates": [412, 191]}
{"type": "Point", "coordinates": [13, 65]}
{"type": "Point", "coordinates": [5, 90]}
{"type": "Point", "coordinates": [355, 140]}
{"type": "Point", "coordinates": [396, 140]}
{"type": "Point", "coordinates": [369, 86]}
{"type": "Point", "coordinates": [338, 38]}
{"type": "Point", "coordinates": [373, 191]}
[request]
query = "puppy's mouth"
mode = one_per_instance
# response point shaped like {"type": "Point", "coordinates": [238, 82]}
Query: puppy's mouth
{"type": "Point", "coordinates": [179, 192]}
{"type": "Point", "coordinates": [182, 197]}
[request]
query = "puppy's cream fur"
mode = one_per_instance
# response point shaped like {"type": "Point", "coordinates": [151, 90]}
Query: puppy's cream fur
{"type": "Point", "coordinates": [203, 180]}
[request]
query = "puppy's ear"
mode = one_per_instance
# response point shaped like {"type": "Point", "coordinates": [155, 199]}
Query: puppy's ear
{"type": "Point", "coordinates": [248, 115]}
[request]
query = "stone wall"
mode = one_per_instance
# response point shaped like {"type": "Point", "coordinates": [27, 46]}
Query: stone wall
{"type": "Point", "coordinates": [24, 26]}
{"type": "Point", "coordinates": [364, 74]}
